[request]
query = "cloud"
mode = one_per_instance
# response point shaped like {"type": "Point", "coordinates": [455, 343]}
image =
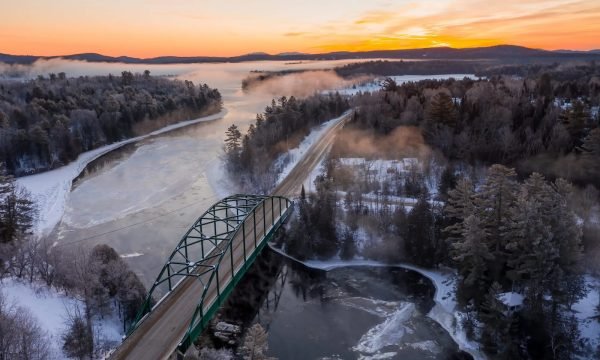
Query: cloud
{"type": "Point", "coordinates": [465, 23]}
{"type": "Point", "coordinates": [298, 33]}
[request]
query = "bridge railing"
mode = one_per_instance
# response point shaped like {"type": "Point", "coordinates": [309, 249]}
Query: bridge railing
{"type": "Point", "coordinates": [238, 254]}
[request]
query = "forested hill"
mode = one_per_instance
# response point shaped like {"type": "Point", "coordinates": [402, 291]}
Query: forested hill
{"type": "Point", "coordinates": [47, 122]}
{"type": "Point", "coordinates": [512, 52]}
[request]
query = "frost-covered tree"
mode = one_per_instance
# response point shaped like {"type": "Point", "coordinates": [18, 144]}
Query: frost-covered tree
{"type": "Point", "coordinates": [78, 341]}
{"type": "Point", "coordinates": [255, 344]}
{"type": "Point", "coordinates": [21, 337]}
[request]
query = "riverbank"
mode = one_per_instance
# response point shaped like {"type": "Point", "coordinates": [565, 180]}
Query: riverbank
{"type": "Point", "coordinates": [50, 190]}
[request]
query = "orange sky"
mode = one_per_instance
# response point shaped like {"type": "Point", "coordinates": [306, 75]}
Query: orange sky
{"type": "Point", "coordinates": [146, 28]}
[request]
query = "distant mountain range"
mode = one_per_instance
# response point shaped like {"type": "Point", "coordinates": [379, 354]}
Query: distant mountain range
{"type": "Point", "coordinates": [499, 52]}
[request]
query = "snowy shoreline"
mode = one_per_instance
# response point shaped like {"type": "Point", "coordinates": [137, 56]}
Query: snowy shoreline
{"type": "Point", "coordinates": [444, 312]}
{"type": "Point", "coordinates": [50, 190]}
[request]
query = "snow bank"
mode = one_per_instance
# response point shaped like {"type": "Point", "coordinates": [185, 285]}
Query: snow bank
{"type": "Point", "coordinates": [511, 299]}
{"type": "Point", "coordinates": [585, 311]}
{"type": "Point", "coordinates": [135, 254]}
{"type": "Point", "coordinates": [50, 189]}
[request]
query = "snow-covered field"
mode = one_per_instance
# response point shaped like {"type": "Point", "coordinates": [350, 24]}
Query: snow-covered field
{"type": "Point", "coordinates": [50, 189]}
{"type": "Point", "coordinates": [50, 309]}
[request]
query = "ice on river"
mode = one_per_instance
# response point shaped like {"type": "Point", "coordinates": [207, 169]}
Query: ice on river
{"type": "Point", "coordinates": [50, 189]}
{"type": "Point", "coordinates": [143, 181]}
{"type": "Point", "coordinates": [387, 333]}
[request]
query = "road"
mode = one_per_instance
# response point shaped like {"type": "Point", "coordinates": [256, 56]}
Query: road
{"type": "Point", "coordinates": [158, 336]}
{"type": "Point", "coordinates": [291, 185]}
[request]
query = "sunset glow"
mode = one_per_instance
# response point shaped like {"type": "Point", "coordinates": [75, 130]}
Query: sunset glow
{"type": "Point", "coordinates": [147, 28]}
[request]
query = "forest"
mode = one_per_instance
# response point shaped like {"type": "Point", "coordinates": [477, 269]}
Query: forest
{"type": "Point", "coordinates": [47, 122]}
{"type": "Point", "coordinates": [496, 179]}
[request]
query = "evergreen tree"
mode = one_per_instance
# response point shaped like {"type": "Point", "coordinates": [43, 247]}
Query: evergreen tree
{"type": "Point", "coordinates": [448, 181]}
{"type": "Point", "coordinates": [442, 111]}
{"type": "Point", "coordinates": [420, 240]}
{"type": "Point", "coordinates": [17, 210]}
{"type": "Point", "coordinates": [565, 227]}
{"type": "Point", "coordinates": [233, 137]}
{"type": "Point", "coordinates": [389, 85]}
{"type": "Point", "coordinates": [591, 156]}
{"type": "Point", "coordinates": [494, 202]}
{"type": "Point", "coordinates": [496, 325]}
{"type": "Point", "coordinates": [591, 144]}
{"type": "Point", "coordinates": [472, 258]}
{"type": "Point", "coordinates": [576, 119]}
{"type": "Point", "coordinates": [233, 147]}
{"type": "Point", "coordinates": [533, 255]}
{"type": "Point", "coordinates": [460, 205]}
{"type": "Point", "coordinates": [348, 250]}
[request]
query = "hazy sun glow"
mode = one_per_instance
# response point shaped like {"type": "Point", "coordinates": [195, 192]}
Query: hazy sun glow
{"type": "Point", "coordinates": [147, 28]}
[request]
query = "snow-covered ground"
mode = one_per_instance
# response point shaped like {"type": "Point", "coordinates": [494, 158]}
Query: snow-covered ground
{"type": "Point", "coordinates": [585, 311]}
{"type": "Point", "coordinates": [50, 309]}
{"type": "Point", "coordinates": [50, 189]}
{"type": "Point", "coordinates": [444, 311]}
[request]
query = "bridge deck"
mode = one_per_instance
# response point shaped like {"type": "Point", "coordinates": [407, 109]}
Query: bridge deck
{"type": "Point", "coordinates": [158, 336]}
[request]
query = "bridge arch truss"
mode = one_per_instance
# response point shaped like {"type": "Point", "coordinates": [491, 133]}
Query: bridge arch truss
{"type": "Point", "coordinates": [216, 251]}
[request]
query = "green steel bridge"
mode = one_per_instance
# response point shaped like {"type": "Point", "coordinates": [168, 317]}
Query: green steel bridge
{"type": "Point", "coordinates": [202, 270]}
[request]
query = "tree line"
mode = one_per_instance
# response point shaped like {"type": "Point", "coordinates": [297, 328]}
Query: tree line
{"type": "Point", "coordinates": [250, 157]}
{"type": "Point", "coordinates": [49, 121]}
{"type": "Point", "coordinates": [391, 68]}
